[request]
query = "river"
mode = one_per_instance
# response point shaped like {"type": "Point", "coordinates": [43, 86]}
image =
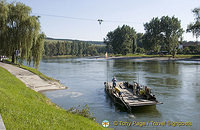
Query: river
{"type": "Point", "coordinates": [175, 83]}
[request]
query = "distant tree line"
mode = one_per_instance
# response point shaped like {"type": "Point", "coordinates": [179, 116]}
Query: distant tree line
{"type": "Point", "coordinates": [75, 48]}
{"type": "Point", "coordinates": [161, 34]}
{"type": "Point", "coordinates": [20, 34]}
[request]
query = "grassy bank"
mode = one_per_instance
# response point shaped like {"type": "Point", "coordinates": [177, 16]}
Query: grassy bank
{"type": "Point", "coordinates": [33, 70]}
{"type": "Point", "coordinates": [146, 56]}
{"type": "Point", "coordinates": [23, 108]}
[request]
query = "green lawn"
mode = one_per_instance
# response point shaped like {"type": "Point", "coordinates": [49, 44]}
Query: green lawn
{"type": "Point", "coordinates": [23, 108]}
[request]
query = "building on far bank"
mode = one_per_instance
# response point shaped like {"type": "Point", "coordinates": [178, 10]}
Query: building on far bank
{"type": "Point", "coordinates": [188, 44]}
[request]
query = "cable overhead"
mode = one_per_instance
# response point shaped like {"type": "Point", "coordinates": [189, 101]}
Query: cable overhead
{"type": "Point", "coordinates": [60, 16]}
{"type": "Point", "coordinates": [85, 19]}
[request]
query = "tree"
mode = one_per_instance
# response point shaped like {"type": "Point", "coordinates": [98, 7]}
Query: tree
{"type": "Point", "coordinates": [153, 36]}
{"type": "Point", "coordinates": [68, 48]}
{"type": "Point", "coordinates": [195, 27]}
{"type": "Point", "coordinates": [164, 33]}
{"type": "Point", "coordinates": [186, 50]}
{"type": "Point", "coordinates": [172, 33]}
{"type": "Point", "coordinates": [108, 41]}
{"type": "Point", "coordinates": [37, 50]}
{"type": "Point", "coordinates": [19, 31]}
{"type": "Point", "coordinates": [60, 46]}
{"type": "Point", "coordinates": [140, 50]}
{"type": "Point", "coordinates": [122, 40]}
{"type": "Point", "coordinates": [3, 19]}
{"type": "Point", "coordinates": [139, 39]}
{"type": "Point", "coordinates": [92, 50]}
{"type": "Point", "coordinates": [80, 51]}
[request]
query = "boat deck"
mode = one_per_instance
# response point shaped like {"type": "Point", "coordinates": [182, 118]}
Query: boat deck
{"type": "Point", "coordinates": [127, 97]}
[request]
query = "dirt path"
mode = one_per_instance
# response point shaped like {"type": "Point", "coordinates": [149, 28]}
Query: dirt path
{"type": "Point", "coordinates": [31, 80]}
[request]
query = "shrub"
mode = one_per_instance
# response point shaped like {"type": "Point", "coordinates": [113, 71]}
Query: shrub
{"type": "Point", "coordinates": [85, 111]}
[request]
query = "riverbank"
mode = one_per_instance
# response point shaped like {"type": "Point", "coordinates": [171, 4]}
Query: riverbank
{"type": "Point", "coordinates": [146, 56]}
{"type": "Point", "coordinates": [157, 57]}
{"type": "Point", "coordinates": [60, 56]}
{"type": "Point", "coordinates": [23, 108]}
{"type": "Point", "coordinates": [31, 80]}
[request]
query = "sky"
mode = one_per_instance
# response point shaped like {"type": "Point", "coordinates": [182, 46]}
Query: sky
{"type": "Point", "coordinates": [77, 19]}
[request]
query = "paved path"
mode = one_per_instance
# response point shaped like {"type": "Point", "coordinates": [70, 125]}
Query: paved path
{"type": "Point", "coordinates": [2, 126]}
{"type": "Point", "coordinates": [31, 80]}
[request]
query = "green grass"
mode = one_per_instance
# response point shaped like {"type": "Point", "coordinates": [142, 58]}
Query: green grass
{"type": "Point", "coordinates": [23, 108]}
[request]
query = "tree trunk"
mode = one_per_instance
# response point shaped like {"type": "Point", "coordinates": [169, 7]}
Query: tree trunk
{"type": "Point", "coordinates": [13, 58]}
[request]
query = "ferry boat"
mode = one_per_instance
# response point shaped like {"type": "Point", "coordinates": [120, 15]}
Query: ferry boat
{"type": "Point", "coordinates": [131, 95]}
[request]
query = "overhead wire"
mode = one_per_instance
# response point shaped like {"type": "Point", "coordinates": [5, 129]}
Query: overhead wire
{"type": "Point", "coordinates": [84, 19]}
{"type": "Point", "coordinates": [60, 16]}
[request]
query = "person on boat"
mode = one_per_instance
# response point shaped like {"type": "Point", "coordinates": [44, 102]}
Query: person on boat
{"type": "Point", "coordinates": [134, 88]}
{"type": "Point", "coordinates": [114, 80]}
{"type": "Point", "coordinates": [137, 89]}
{"type": "Point", "coordinates": [147, 92]}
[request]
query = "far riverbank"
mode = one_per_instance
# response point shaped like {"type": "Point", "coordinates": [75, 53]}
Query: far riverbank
{"type": "Point", "coordinates": [136, 56]}
{"type": "Point", "coordinates": [157, 58]}
{"type": "Point", "coordinates": [154, 57]}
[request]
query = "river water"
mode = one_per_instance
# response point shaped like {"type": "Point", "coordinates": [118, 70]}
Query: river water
{"type": "Point", "coordinates": [175, 83]}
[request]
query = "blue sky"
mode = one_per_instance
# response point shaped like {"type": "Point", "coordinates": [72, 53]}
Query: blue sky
{"type": "Point", "coordinates": [114, 13]}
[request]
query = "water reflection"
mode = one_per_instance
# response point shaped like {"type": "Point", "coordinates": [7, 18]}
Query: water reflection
{"type": "Point", "coordinates": [136, 112]}
{"type": "Point", "coordinates": [174, 83]}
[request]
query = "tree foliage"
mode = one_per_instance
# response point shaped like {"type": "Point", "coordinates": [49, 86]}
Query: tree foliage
{"type": "Point", "coordinates": [20, 31]}
{"type": "Point", "coordinates": [139, 39]}
{"type": "Point", "coordinates": [122, 40]}
{"type": "Point", "coordinates": [195, 27]}
{"type": "Point", "coordinates": [163, 34]}
{"type": "Point", "coordinates": [75, 48]}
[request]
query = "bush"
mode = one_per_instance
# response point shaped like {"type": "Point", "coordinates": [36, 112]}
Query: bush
{"type": "Point", "coordinates": [186, 50]}
{"type": "Point", "coordinates": [85, 111]}
{"type": "Point", "coordinates": [140, 50]}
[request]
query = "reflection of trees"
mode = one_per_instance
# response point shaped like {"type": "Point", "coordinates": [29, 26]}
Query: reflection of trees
{"type": "Point", "coordinates": [125, 65]}
{"type": "Point", "coordinates": [125, 69]}
{"type": "Point", "coordinates": [162, 81]}
{"type": "Point", "coordinates": [157, 73]}
{"type": "Point", "coordinates": [161, 67]}
{"type": "Point", "coordinates": [152, 67]}
{"type": "Point", "coordinates": [171, 68]}
{"type": "Point", "coordinates": [162, 74]}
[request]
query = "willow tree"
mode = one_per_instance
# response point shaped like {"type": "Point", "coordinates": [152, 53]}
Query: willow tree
{"type": "Point", "coordinates": [22, 34]}
{"type": "Point", "coordinates": [37, 50]}
{"type": "Point", "coordinates": [3, 19]}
